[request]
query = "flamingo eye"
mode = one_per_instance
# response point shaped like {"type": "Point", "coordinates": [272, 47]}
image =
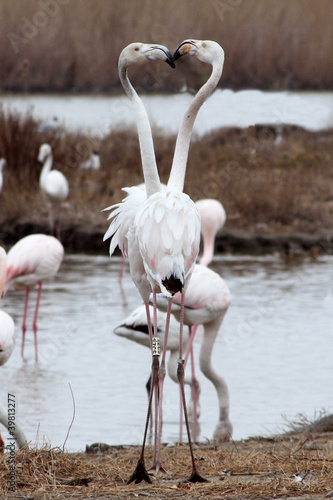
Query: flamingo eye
{"type": "Point", "coordinates": [136, 49]}
{"type": "Point", "coordinates": [204, 44]}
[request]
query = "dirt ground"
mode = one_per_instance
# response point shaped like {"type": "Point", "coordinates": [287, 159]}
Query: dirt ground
{"type": "Point", "coordinates": [293, 466]}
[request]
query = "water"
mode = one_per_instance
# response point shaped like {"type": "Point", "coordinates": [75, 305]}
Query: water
{"type": "Point", "coordinates": [274, 349]}
{"type": "Point", "coordinates": [101, 114]}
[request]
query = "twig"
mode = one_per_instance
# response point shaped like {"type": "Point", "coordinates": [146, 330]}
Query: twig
{"type": "Point", "coordinates": [73, 418]}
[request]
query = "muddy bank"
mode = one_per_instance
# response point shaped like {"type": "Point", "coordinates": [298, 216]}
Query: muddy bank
{"type": "Point", "coordinates": [78, 239]}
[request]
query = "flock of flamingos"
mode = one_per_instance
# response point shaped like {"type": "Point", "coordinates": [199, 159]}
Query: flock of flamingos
{"type": "Point", "coordinates": [157, 228]}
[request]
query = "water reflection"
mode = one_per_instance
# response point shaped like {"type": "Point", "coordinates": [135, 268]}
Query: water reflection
{"type": "Point", "coordinates": [274, 351]}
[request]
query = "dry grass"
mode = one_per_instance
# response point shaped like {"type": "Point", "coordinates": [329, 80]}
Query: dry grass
{"type": "Point", "coordinates": [76, 45]}
{"type": "Point", "coordinates": [279, 188]}
{"type": "Point", "coordinates": [257, 468]}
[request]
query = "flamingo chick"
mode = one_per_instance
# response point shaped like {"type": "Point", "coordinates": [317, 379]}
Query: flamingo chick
{"type": "Point", "coordinates": [31, 261]}
{"type": "Point", "coordinates": [53, 183]}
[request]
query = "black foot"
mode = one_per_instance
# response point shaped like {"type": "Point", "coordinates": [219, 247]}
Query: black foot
{"type": "Point", "coordinates": [139, 474]}
{"type": "Point", "coordinates": [196, 478]}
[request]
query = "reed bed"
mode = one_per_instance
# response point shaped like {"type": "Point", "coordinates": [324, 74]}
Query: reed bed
{"type": "Point", "coordinates": [73, 45]}
{"type": "Point", "coordinates": [269, 180]}
{"type": "Point", "coordinates": [256, 468]}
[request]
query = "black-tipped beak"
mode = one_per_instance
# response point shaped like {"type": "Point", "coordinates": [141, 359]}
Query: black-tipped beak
{"type": "Point", "coordinates": [183, 48]}
{"type": "Point", "coordinates": [170, 60]}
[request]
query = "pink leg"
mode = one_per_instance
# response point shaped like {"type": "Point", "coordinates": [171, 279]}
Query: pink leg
{"type": "Point", "coordinates": [195, 476]}
{"type": "Point", "coordinates": [161, 376]}
{"type": "Point", "coordinates": [122, 267]}
{"type": "Point", "coordinates": [24, 324]}
{"type": "Point", "coordinates": [35, 320]}
{"type": "Point", "coordinates": [51, 220]}
{"type": "Point", "coordinates": [189, 351]}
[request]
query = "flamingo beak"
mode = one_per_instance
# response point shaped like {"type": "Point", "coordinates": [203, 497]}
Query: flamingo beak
{"type": "Point", "coordinates": [183, 49]}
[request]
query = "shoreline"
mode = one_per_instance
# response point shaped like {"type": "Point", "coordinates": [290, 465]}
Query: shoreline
{"type": "Point", "coordinates": [77, 239]}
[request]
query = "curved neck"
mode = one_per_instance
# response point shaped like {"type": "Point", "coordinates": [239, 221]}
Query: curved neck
{"type": "Point", "coordinates": [149, 167]}
{"type": "Point", "coordinates": [47, 165]}
{"type": "Point", "coordinates": [178, 169]}
{"type": "Point", "coordinates": [210, 332]}
{"type": "Point", "coordinates": [208, 238]}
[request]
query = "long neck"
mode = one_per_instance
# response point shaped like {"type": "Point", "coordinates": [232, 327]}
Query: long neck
{"type": "Point", "coordinates": [207, 344]}
{"type": "Point", "coordinates": [18, 432]}
{"type": "Point", "coordinates": [47, 165]}
{"type": "Point", "coordinates": [149, 167]}
{"type": "Point", "coordinates": [178, 169]}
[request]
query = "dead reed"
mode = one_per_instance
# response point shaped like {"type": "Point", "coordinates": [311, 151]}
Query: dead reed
{"type": "Point", "coordinates": [61, 45]}
{"type": "Point", "coordinates": [256, 468]}
{"type": "Point", "coordinates": [278, 181]}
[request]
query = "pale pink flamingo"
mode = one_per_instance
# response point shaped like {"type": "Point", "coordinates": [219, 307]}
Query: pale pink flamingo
{"type": "Point", "coordinates": [31, 261]}
{"type": "Point", "coordinates": [7, 327]}
{"type": "Point", "coordinates": [164, 235]}
{"type": "Point", "coordinates": [7, 344]}
{"type": "Point", "coordinates": [206, 303]}
{"type": "Point", "coordinates": [53, 184]}
{"type": "Point", "coordinates": [213, 218]}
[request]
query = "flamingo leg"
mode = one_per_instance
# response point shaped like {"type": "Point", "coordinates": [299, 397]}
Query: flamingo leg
{"type": "Point", "coordinates": [195, 476]}
{"type": "Point", "coordinates": [140, 473]}
{"type": "Point", "coordinates": [51, 220]}
{"type": "Point", "coordinates": [122, 267]}
{"type": "Point", "coordinates": [195, 391]}
{"type": "Point", "coordinates": [35, 320]}
{"type": "Point", "coordinates": [24, 324]}
{"type": "Point", "coordinates": [157, 466]}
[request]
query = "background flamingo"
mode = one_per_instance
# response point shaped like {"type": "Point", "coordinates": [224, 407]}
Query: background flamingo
{"type": "Point", "coordinates": [53, 183]}
{"type": "Point", "coordinates": [213, 218]}
{"type": "Point", "coordinates": [7, 344]}
{"type": "Point", "coordinates": [31, 261]}
{"type": "Point", "coordinates": [207, 301]}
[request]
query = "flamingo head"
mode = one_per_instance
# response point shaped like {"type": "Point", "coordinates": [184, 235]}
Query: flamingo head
{"type": "Point", "coordinates": [44, 152]}
{"type": "Point", "coordinates": [138, 53]}
{"type": "Point", "coordinates": [206, 51]}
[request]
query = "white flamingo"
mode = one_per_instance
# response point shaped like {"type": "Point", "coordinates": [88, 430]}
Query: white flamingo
{"type": "Point", "coordinates": [7, 344]}
{"type": "Point", "coordinates": [53, 183]}
{"type": "Point", "coordinates": [213, 218]}
{"type": "Point", "coordinates": [31, 261]}
{"type": "Point", "coordinates": [165, 235]}
{"type": "Point", "coordinates": [2, 165]}
{"type": "Point", "coordinates": [93, 162]}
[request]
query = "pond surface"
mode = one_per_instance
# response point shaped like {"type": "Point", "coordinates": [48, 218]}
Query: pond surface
{"type": "Point", "coordinates": [101, 114]}
{"type": "Point", "coordinates": [274, 349]}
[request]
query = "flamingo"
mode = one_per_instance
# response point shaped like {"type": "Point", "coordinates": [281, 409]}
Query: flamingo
{"type": "Point", "coordinates": [7, 344]}
{"type": "Point", "coordinates": [213, 218]}
{"type": "Point", "coordinates": [162, 237]}
{"type": "Point", "coordinates": [206, 303]}
{"type": "Point", "coordinates": [93, 163]}
{"type": "Point", "coordinates": [32, 260]}
{"type": "Point", "coordinates": [2, 165]}
{"type": "Point", "coordinates": [7, 328]}
{"type": "Point", "coordinates": [53, 183]}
